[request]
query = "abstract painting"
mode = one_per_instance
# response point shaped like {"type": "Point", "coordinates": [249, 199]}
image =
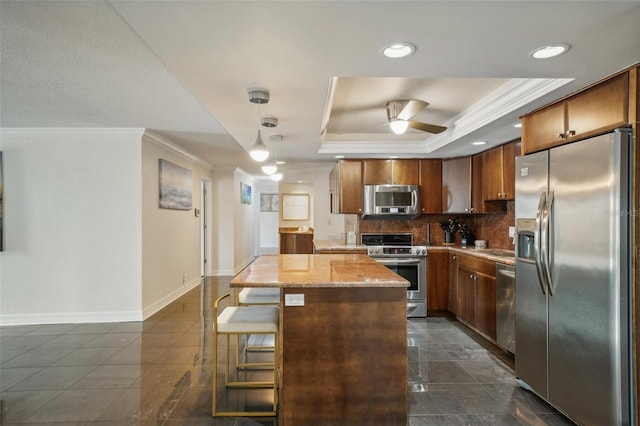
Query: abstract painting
{"type": "Point", "coordinates": [245, 193]}
{"type": "Point", "coordinates": [176, 186]}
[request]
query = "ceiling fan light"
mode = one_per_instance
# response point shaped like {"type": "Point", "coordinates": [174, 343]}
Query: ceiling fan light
{"type": "Point", "coordinates": [269, 169]}
{"type": "Point", "coordinates": [259, 151]}
{"type": "Point", "coordinates": [398, 50]}
{"type": "Point", "coordinates": [276, 177]}
{"type": "Point", "coordinates": [399, 126]}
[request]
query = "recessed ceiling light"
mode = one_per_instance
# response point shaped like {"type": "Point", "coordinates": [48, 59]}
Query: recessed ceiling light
{"type": "Point", "coordinates": [280, 162]}
{"type": "Point", "coordinates": [398, 50]}
{"type": "Point", "coordinates": [550, 51]}
{"type": "Point", "coordinates": [393, 156]}
{"type": "Point", "coordinates": [339, 156]}
{"type": "Point", "coordinates": [517, 125]}
{"type": "Point", "coordinates": [479, 143]}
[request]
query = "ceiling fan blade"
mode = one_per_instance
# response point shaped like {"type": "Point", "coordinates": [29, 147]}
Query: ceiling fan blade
{"type": "Point", "coordinates": [426, 127]}
{"type": "Point", "coordinates": [411, 108]}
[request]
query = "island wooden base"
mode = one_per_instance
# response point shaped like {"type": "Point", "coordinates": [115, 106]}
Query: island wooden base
{"type": "Point", "coordinates": [344, 357]}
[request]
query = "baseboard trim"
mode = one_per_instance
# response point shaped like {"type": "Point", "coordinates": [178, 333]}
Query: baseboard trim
{"type": "Point", "coordinates": [171, 297]}
{"type": "Point", "coordinates": [69, 318]}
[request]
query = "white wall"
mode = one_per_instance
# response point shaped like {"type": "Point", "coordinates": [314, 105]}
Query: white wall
{"type": "Point", "coordinates": [245, 222]}
{"type": "Point", "coordinates": [268, 236]}
{"type": "Point", "coordinates": [72, 224]}
{"type": "Point", "coordinates": [171, 257]}
{"type": "Point", "coordinates": [315, 181]}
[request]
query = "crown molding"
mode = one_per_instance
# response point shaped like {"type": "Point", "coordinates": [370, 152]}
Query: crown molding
{"type": "Point", "coordinates": [162, 142]}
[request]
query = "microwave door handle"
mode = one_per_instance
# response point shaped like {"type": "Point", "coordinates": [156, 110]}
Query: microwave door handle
{"type": "Point", "coordinates": [414, 200]}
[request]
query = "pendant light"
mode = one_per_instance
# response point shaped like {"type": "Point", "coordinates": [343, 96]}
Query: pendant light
{"type": "Point", "coordinates": [259, 151]}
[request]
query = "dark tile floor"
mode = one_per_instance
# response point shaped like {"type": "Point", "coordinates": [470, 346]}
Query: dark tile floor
{"type": "Point", "coordinates": [158, 372]}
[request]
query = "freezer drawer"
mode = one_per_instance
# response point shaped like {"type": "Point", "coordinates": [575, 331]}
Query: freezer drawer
{"type": "Point", "coordinates": [506, 307]}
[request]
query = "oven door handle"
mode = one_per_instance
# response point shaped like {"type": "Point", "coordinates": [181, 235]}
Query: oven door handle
{"type": "Point", "coordinates": [399, 261]}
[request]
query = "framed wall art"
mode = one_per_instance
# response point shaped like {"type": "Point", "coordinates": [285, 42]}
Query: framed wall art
{"type": "Point", "coordinates": [295, 206]}
{"type": "Point", "coordinates": [245, 193]}
{"type": "Point", "coordinates": [269, 202]}
{"type": "Point", "coordinates": [176, 186]}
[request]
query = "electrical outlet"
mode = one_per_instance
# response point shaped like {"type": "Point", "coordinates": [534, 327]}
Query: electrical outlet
{"type": "Point", "coordinates": [512, 231]}
{"type": "Point", "coordinates": [294, 300]}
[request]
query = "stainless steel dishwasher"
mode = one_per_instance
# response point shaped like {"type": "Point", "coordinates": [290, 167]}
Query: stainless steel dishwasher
{"type": "Point", "coordinates": [506, 306]}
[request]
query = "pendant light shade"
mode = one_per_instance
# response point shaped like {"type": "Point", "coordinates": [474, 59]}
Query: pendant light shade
{"type": "Point", "coordinates": [277, 177]}
{"type": "Point", "coordinates": [259, 151]}
{"type": "Point", "coordinates": [269, 169]}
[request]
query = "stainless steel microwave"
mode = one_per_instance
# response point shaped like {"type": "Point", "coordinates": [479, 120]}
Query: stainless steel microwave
{"type": "Point", "coordinates": [391, 201]}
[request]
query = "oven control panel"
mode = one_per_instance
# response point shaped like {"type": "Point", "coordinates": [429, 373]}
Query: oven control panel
{"type": "Point", "coordinates": [396, 251]}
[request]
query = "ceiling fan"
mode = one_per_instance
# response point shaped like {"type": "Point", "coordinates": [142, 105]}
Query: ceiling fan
{"type": "Point", "coordinates": [399, 114]}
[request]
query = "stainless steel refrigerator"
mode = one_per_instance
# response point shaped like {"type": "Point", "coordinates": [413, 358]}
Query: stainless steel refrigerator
{"type": "Point", "coordinates": [573, 250]}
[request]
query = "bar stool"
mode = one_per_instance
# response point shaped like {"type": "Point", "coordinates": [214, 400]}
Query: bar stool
{"type": "Point", "coordinates": [244, 320]}
{"type": "Point", "coordinates": [251, 296]}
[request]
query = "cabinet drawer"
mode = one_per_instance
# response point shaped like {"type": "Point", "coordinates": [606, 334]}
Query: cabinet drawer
{"type": "Point", "coordinates": [473, 263]}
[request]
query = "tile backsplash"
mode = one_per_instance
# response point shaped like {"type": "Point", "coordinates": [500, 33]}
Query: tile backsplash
{"type": "Point", "coordinates": [494, 228]}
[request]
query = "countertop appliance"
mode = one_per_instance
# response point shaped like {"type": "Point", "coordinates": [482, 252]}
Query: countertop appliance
{"type": "Point", "coordinates": [572, 210]}
{"type": "Point", "coordinates": [397, 252]}
{"type": "Point", "coordinates": [506, 306]}
{"type": "Point", "coordinates": [391, 201]}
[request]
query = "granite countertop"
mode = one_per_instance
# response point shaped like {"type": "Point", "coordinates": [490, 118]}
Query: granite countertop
{"type": "Point", "coordinates": [496, 255]}
{"type": "Point", "coordinates": [327, 245]}
{"type": "Point", "coordinates": [317, 270]}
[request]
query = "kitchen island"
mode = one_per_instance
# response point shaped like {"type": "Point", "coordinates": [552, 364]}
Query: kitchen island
{"type": "Point", "coordinates": [343, 357]}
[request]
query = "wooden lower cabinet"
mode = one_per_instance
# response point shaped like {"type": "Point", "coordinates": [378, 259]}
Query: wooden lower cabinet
{"type": "Point", "coordinates": [437, 281]}
{"type": "Point", "coordinates": [485, 320]}
{"type": "Point", "coordinates": [466, 296]}
{"type": "Point", "coordinates": [453, 283]}
{"type": "Point", "coordinates": [296, 243]}
{"type": "Point", "coordinates": [476, 293]}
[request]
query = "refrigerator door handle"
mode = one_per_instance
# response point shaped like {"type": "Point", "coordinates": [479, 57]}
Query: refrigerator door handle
{"type": "Point", "coordinates": [547, 252]}
{"type": "Point", "coordinates": [538, 243]}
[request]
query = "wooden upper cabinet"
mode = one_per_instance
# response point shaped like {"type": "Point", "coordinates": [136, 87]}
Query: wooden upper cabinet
{"type": "Point", "coordinates": [498, 171]}
{"type": "Point", "coordinates": [595, 110]}
{"type": "Point", "coordinates": [543, 129]}
{"type": "Point", "coordinates": [376, 172]}
{"type": "Point", "coordinates": [456, 185]}
{"type": "Point", "coordinates": [599, 109]}
{"type": "Point", "coordinates": [431, 186]}
{"type": "Point", "coordinates": [477, 195]}
{"type": "Point", "coordinates": [399, 172]}
{"type": "Point", "coordinates": [346, 187]}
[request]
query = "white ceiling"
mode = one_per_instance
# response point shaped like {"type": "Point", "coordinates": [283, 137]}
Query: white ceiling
{"type": "Point", "coordinates": [183, 68]}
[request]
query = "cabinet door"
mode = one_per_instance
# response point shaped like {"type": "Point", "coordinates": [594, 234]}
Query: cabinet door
{"type": "Point", "coordinates": [492, 174]}
{"type": "Point", "coordinates": [467, 295]}
{"type": "Point", "coordinates": [453, 283]}
{"type": "Point", "coordinates": [437, 281]}
{"type": "Point", "coordinates": [598, 109]}
{"type": "Point", "coordinates": [485, 320]}
{"type": "Point", "coordinates": [543, 129]}
{"type": "Point", "coordinates": [350, 187]}
{"type": "Point", "coordinates": [303, 243]}
{"type": "Point", "coordinates": [405, 172]}
{"type": "Point", "coordinates": [456, 185]}
{"type": "Point", "coordinates": [510, 152]}
{"type": "Point", "coordinates": [477, 194]}
{"type": "Point", "coordinates": [431, 186]}
{"type": "Point", "coordinates": [377, 172]}
{"type": "Point", "coordinates": [287, 243]}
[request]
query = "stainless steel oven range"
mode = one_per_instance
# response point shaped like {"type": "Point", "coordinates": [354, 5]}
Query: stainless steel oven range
{"type": "Point", "coordinates": [397, 252]}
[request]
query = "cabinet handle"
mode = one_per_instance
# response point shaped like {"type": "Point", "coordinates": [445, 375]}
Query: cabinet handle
{"type": "Point", "coordinates": [470, 210]}
{"type": "Point", "coordinates": [455, 257]}
{"type": "Point", "coordinates": [561, 135]}
{"type": "Point", "coordinates": [571, 133]}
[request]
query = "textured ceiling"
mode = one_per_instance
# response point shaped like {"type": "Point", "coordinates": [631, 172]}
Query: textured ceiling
{"type": "Point", "coordinates": [183, 69]}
